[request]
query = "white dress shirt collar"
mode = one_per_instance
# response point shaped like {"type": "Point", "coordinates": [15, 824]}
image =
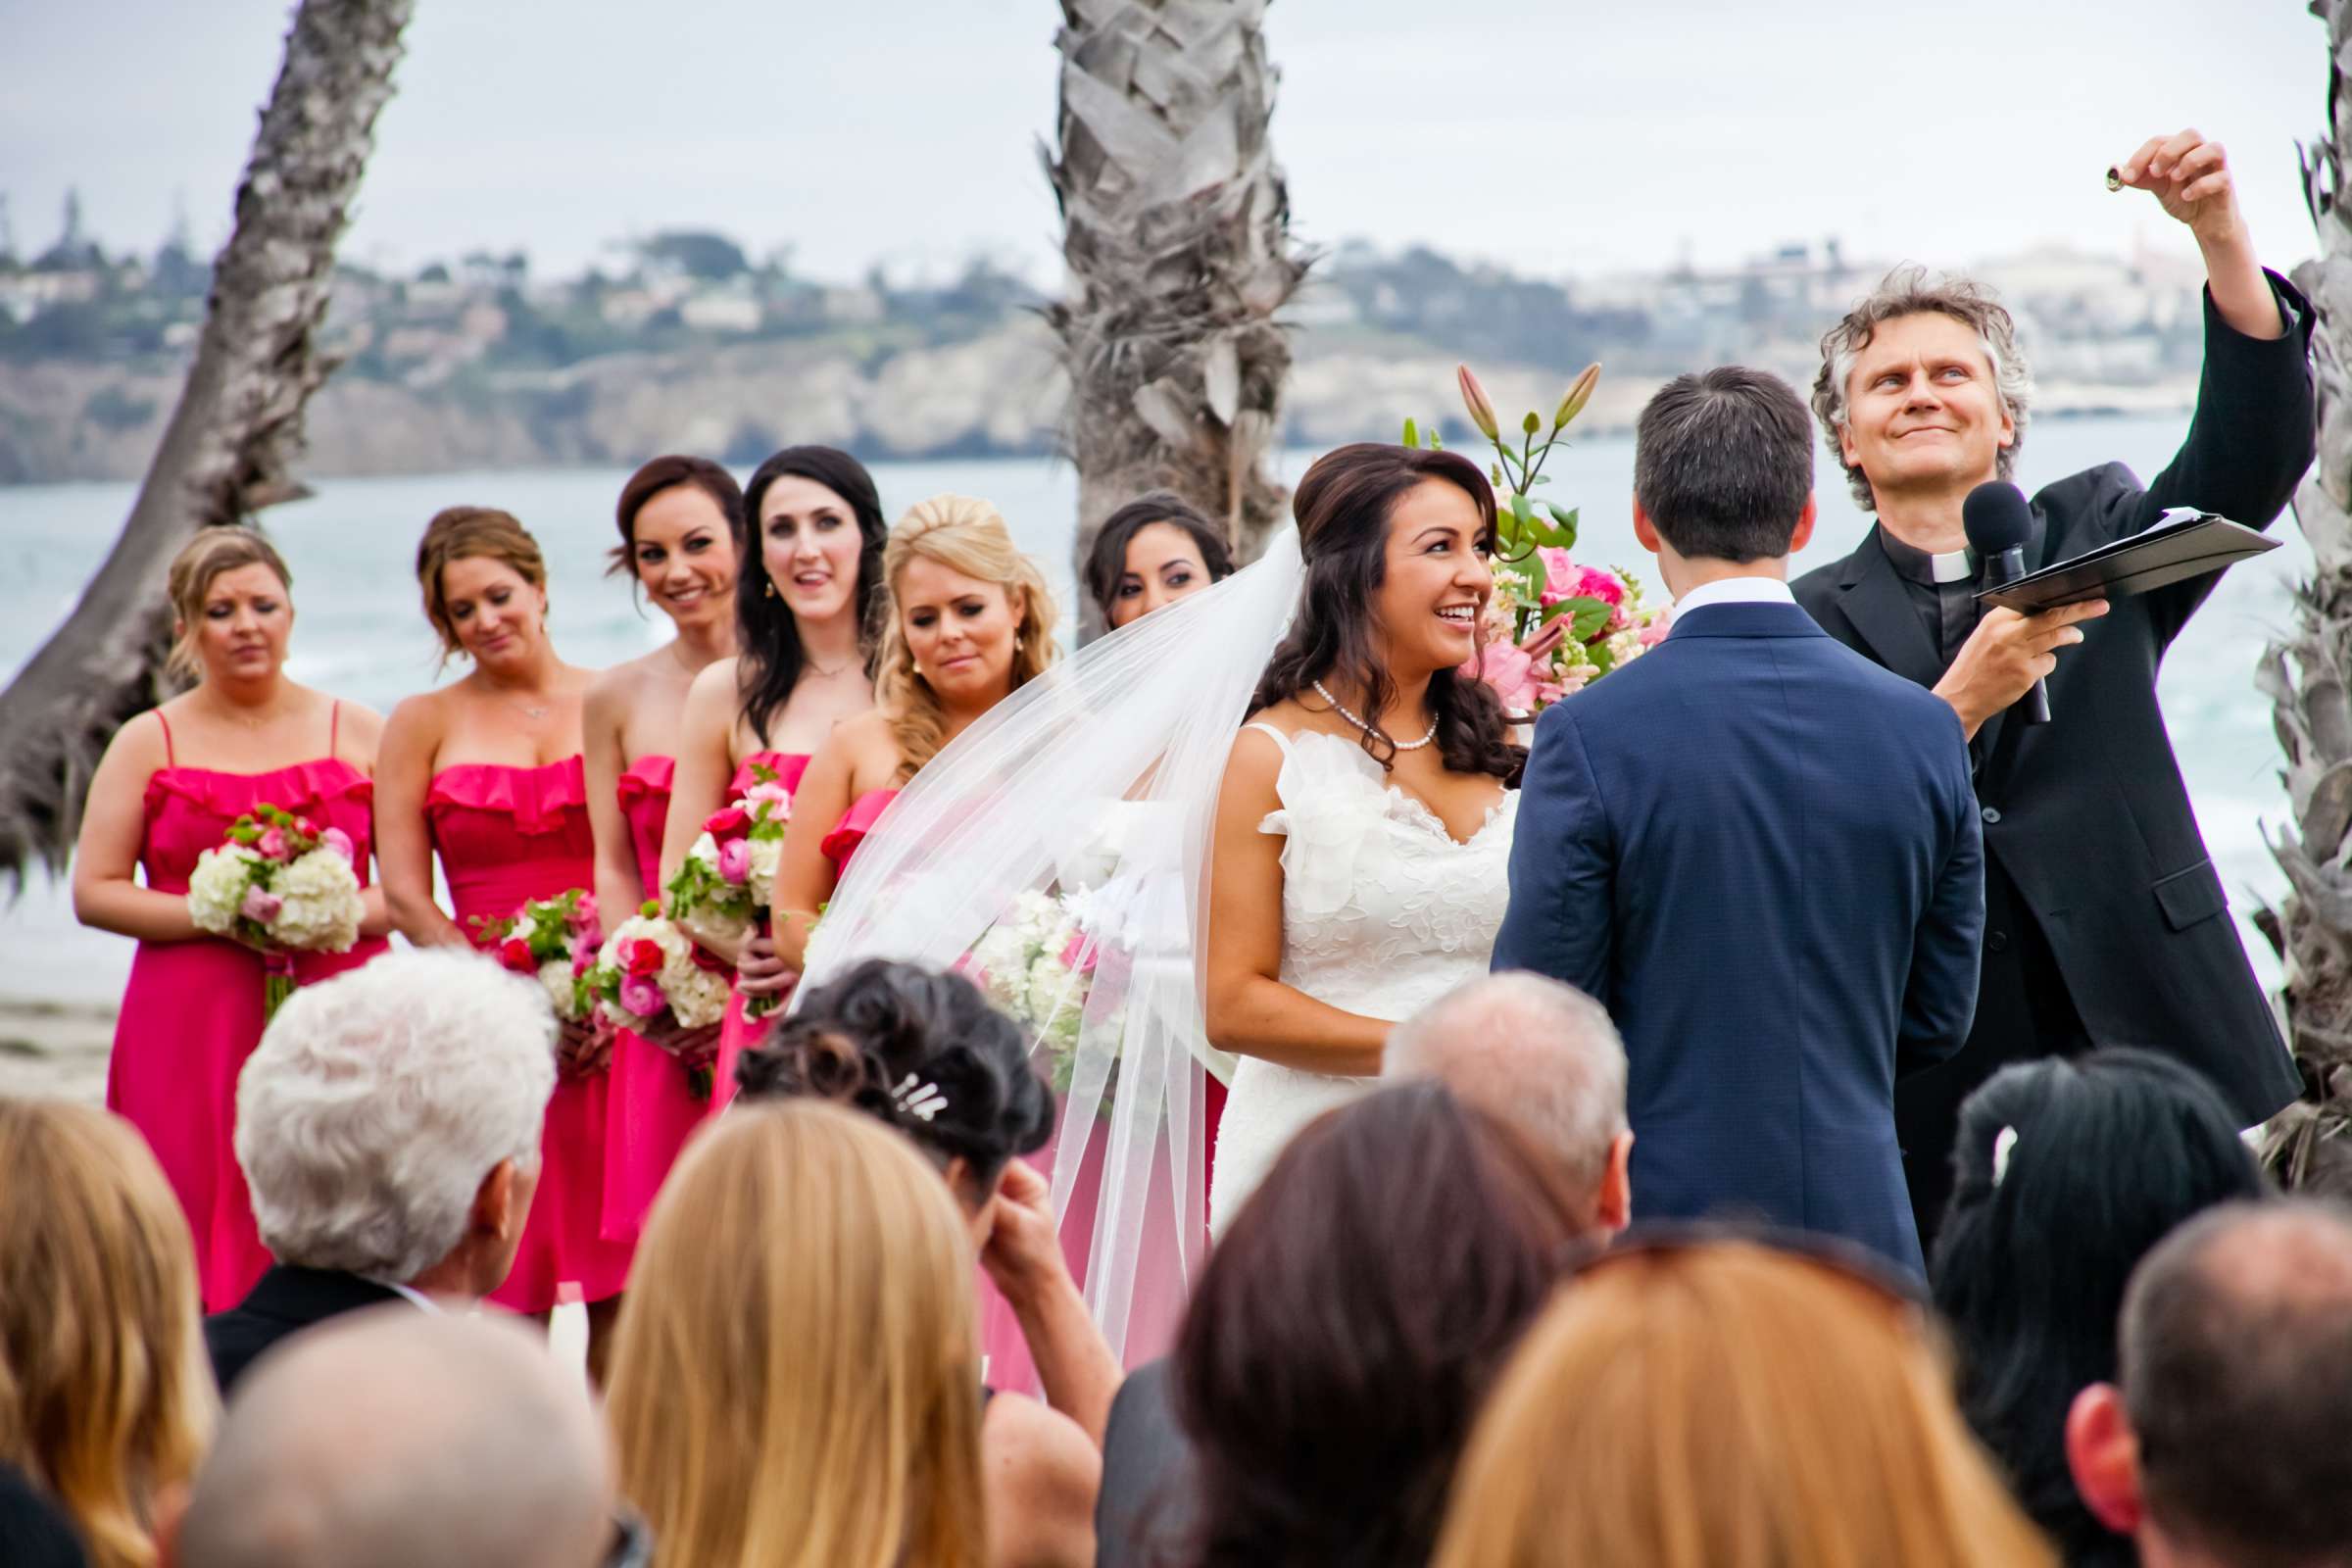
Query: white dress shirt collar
{"type": "Point", "coordinates": [1733, 591]}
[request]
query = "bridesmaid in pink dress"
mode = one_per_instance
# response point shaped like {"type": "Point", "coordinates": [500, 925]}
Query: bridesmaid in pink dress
{"type": "Point", "coordinates": [681, 534]}
{"type": "Point", "coordinates": [486, 773]}
{"type": "Point", "coordinates": [970, 619]}
{"type": "Point", "coordinates": [167, 788]}
{"type": "Point", "coordinates": [808, 609]}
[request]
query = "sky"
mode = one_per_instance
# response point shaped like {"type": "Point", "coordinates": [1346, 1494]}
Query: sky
{"type": "Point", "coordinates": [1560, 137]}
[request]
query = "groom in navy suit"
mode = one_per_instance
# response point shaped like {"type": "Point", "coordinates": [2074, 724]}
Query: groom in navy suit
{"type": "Point", "coordinates": [1759, 850]}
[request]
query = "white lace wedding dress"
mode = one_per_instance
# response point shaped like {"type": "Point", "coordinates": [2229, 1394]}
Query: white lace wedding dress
{"type": "Point", "coordinates": [1382, 912]}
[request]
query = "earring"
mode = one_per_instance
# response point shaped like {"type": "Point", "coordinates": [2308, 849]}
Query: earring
{"type": "Point", "coordinates": [770, 591]}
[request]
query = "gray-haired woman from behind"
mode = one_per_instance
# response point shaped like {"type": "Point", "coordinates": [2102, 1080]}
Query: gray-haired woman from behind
{"type": "Point", "coordinates": [388, 1127]}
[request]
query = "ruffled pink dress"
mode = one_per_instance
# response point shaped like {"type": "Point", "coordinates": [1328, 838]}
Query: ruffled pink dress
{"type": "Point", "coordinates": [506, 835]}
{"type": "Point", "coordinates": [735, 1031]}
{"type": "Point", "coordinates": [652, 1106]}
{"type": "Point", "coordinates": [192, 1011]}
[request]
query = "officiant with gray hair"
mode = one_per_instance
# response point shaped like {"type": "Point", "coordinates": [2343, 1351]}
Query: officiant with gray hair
{"type": "Point", "coordinates": [2106, 922]}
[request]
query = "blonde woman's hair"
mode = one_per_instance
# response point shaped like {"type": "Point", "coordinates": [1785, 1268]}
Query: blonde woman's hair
{"type": "Point", "coordinates": [211, 552]}
{"type": "Point", "coordinates": [1725, 1405]}
{"type": "Point", "coordinates": [797, 1380]}
{"type": "Point", "coordinates": [964, 535]}
{"type": "Point", "coordinates": [460, 533]}
{"type": "Point", "coordinates": [106, 1399]}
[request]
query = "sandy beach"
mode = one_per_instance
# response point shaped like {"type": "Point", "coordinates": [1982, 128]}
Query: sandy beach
{"type": "Point", "coordinates": [55, 1048]}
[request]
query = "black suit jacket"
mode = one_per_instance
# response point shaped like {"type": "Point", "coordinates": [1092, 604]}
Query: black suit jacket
{"type": "Point", "coordinates": [2088, 815]}
{"type": "Point", "coordinates": [286, 1301]}
{"type": "Point", "coordinates": [1147, 1506]}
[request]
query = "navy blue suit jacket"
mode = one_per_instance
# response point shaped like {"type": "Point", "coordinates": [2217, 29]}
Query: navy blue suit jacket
{"type": "Point", "coordinates": [1760, 852]}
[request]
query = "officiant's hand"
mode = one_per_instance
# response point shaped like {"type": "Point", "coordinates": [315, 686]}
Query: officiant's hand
{"type": "Point", "coordinates": [2191, 181]}
{"type": "Point", "coordinates": [2006, 655]}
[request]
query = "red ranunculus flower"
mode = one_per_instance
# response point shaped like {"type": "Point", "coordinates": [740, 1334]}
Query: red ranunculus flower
{"type": "Point", "coordinates": [643, 958]}
{"type": "Point", "coordinates": [516, 954]}
{"type": "Point", "coordinates": [704, 958]}
{"type": "Point", "coordinates": [726, 823]}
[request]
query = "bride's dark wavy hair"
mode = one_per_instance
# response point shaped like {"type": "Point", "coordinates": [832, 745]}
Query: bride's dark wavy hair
{"type": "Point", "coordinates": [1343, 507]}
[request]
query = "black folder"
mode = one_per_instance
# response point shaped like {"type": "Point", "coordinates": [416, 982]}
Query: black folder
{"type": "Point", "coordinates": [2183, 543]}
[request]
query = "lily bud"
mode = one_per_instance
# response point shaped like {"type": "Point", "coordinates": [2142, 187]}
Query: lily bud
{"type": "Point", "coordinates": [1578, 396]}
{"type": "Point", "coordinates": [1531, 423]}
{"type": "Point", "coordinates": [1474, 399]}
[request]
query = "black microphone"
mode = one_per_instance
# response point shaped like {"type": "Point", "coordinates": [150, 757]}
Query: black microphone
{"type": "Point", "coordinates": [1998, 522]}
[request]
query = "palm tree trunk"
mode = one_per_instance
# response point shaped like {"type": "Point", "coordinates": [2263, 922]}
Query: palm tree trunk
{"type": "Point", "coordinates": [1176, 229]}
{"type": "Point", "coordinates": [2307, 676]}
{"type": "Point", "coordinates": [230, 443]}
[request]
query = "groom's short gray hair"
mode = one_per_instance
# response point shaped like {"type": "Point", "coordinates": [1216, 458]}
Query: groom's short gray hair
{"type": "Point", "coordinates": [1539, 1053]}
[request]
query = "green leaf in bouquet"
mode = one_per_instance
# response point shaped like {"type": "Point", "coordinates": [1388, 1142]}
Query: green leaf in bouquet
{"type": "Point", "coordinates": [1412, 435]}
{"type": "Point", "coordinates": [1532, 568]}
{"type": "Point", "coordinates": [1437, 441]}
{"type": "Point", "coordinates": [1603, 659]}
{"type": "Point", "coordinates": [1566, 519]}
{"type": "Point", "coordinates": [1592, 617]}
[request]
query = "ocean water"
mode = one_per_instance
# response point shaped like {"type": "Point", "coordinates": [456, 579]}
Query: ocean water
{"type": "Point", "coordinates": [361, 635]}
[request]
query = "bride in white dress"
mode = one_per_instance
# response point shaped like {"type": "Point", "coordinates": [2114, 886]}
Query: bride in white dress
{"type": "Point", "coordinates": [1363, 833]}
{"type": "Point", "coordinates": [1287, 891]}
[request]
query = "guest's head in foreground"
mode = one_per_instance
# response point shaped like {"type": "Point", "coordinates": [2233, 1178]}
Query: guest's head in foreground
{"type": "Point", "coordinates": [1922, 389]}
{"type": "Point", "coordinates": [681, 538]}
{"type": "Point", "coordinates": [393, 1437]}
{"type": "Point", "coordinates": [815, 558]}
{"type": "Point", "coordinates": [797, 1382]}
{"type": "Point", "coordinates": [2226, 1441]}
{"type": "Point", "coordinates": [1349, 1322]}
{"type": "Point", "coordinates": [232, 609]}
{"type": "Point", "coordinates": [485, 589]}
{"type": "Point", "coordinates": [923, 1052]}
{"type": "Point", "coordinates": [1396, 542]}
{"type": "Point", "coordinates": [1723, 476]}
{"type": "Point", "coordinates": [971, 620]}
{"type": "Point", "coordinates": [2065, 1173]}
{"type": "Point", "coordinates": [1151, 551]}
{"type": "Point", "coordinates": [1543, 1056]}
{"type": "Point", "coordinates": [1719, 1403]}
{"type": "Point", "coordinates": [105, 1402]}
{"type": "Point", "coordinates": [388, 1123]}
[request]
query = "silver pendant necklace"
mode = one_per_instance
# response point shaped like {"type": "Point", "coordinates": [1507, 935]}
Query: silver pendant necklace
{"type": "Point", "coordinates": [1343, 711]}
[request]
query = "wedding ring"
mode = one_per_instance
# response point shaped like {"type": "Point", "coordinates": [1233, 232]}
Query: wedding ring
{"type": "Point", "coordinates": [2114, 177]}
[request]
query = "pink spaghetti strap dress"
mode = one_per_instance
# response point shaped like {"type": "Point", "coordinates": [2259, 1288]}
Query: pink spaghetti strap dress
{"type": "Point", "coordinates": [192, 1011]}
{"type": "Point", "coordinates": [506, 835]}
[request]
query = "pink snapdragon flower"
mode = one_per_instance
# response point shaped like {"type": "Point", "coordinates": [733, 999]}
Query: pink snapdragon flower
{"type": "Point", "coordinates": [1655, 632]}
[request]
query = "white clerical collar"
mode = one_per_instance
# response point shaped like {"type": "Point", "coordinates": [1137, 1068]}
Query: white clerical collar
{"type": "Point", "coordinates": [416, 1297]}
{"type": "Point", "coordinates": [1953, 565]}
{"type": "Point", "coordinates": [1733, 591]}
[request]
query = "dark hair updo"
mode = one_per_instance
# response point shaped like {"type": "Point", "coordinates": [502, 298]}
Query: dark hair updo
{"type": "Point", "coordinates": [862, 1037]}
{"type": "Point", "coordinates": [667, 473]}
{"type": "Point", "coordinates": [1106, 561]}
{"type": "Point", "coordinates": [770, 656]}
{"type": "Point", "coordinates": [1343, 507]}
{"type": "Point", "coordinates": [2066, 1173]}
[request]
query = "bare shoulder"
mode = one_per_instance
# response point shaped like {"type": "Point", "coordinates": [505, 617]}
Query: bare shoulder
{"type": "Point", "coordinates": [140, 747]}
{"type": "Point", "coordinates": [714, 682]}
{"type": "Point", "coordinates": [419, 718]}
{"type": "Point", "coordinates": [362, 727]}
{"type": "Point", "coordinates": [859, 733]}
{"type": "Point", "coordinates": [1043, 1456]}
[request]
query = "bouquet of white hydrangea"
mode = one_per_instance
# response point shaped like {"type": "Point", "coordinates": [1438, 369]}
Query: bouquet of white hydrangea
{"type": "Point", "coordinates": [720, 892]}
{"type": "Point", "coordinates": [650, 971]}
{"type": "Point", "coordinates": [282, 885]}
{"type": "Point", "coordinates": [1038, 964]}
{"type": "Point", "coordinates": [552, 940]}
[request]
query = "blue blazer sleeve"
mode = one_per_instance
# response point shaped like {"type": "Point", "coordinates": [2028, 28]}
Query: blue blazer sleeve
{"type": "Point", "coordinates": [1939, 999]}
{"type": "Point", "coordinates": [1562, 866]}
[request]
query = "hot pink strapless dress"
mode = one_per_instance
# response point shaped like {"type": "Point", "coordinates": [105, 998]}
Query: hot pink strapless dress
{"type": "Point", "coordinates": [735, 1031]}
{"type": "Point", "coordinates": [506, 835]}
{"type": "Point", "coordinates": [192, 1011]}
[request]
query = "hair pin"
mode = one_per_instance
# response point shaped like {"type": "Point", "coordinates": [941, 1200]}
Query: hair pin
{"type": "Point", "coordinates": [918, 1100]}
{"type": "Point", "coordinates": [2004, 1143]}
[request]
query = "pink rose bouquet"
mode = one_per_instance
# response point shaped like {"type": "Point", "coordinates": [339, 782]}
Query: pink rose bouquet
{"type": "Point", "coordinates": [655, 981]}
{"type": "Point", "coordinates": [719, 895]}
{"type": "Point", "coordinates": [552, 940]}
{"type": "Point", "coordinates": [280, 884]}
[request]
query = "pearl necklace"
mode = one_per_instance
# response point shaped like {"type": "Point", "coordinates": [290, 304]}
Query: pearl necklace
{"type": "Point", "coordinates": [1342, 709]}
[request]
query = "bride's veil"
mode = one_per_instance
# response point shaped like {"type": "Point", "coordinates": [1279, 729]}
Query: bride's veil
{"type": "Point", "coordinates": [1079, 810]}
